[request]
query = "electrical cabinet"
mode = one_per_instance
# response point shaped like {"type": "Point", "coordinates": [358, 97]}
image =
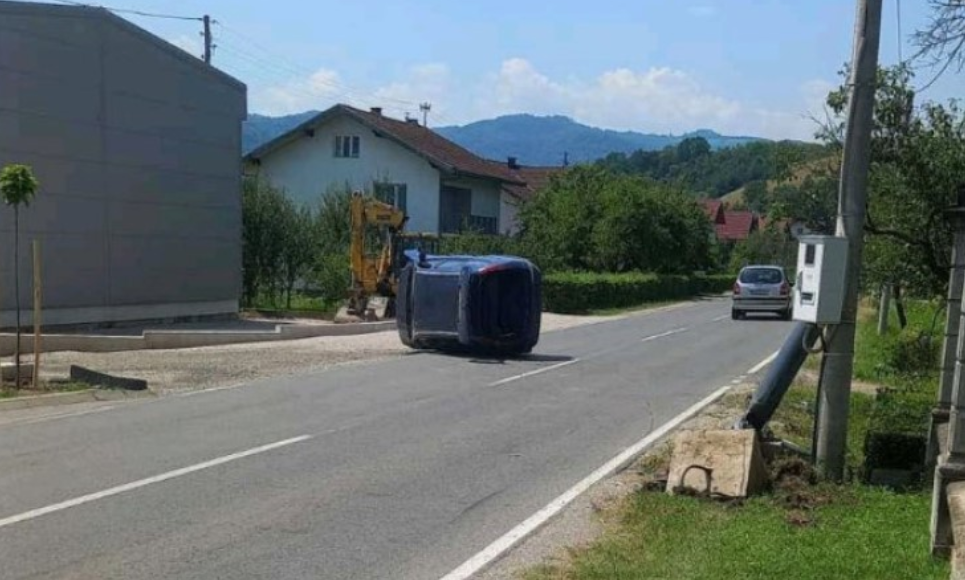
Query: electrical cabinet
{"type": "Point", "coordinates": [821, 277]}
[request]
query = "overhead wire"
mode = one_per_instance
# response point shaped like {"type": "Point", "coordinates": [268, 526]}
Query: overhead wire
{"type": "Point", "coordinates": [132, 11]}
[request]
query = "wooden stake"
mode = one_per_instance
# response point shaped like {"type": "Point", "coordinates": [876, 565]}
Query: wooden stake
{"type": "Point", "coordinates": [37, 295]}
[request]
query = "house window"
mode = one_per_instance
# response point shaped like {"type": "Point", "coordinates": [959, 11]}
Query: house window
{"type": "Point", "coordinates": [392, 193]}
{"type": "Point", "coordinates": [347, 146]}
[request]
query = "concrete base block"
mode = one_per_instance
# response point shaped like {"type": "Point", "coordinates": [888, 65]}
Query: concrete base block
{"type": "Point", "coordinates": [723, 463]}
{"type": "Point", "coordinates": [8, 370]}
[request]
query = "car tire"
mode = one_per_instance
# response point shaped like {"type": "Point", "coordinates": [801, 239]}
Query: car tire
{"type": "Point", "coordinates": [735, 314]}
{"type": "Point", "coordinates": [786, 314]}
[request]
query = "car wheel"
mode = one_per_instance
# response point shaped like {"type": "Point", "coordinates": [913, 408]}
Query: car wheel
{"type": "Point", "coordinates": [735, 315]}
{"type": "Point", "coordinates": [786, 314]}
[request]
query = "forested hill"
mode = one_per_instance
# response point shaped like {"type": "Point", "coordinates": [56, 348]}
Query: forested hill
{"type": "Point", "coordinates": [695, 165]}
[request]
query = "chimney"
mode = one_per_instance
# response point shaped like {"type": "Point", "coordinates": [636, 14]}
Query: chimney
{"type": "Point", "coordinates": [376, 110]}
{"type": "Point", "coordinates": [511, 163]}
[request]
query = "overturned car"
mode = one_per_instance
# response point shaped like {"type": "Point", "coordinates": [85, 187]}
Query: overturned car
{"type": "Point", "coordinates": [478, 304]}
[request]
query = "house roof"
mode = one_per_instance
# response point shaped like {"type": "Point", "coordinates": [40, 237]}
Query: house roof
{"type": "Point", "coordinates": [533, 178]}
{"type": "Point", "coordinates": [433, 147]}
{"type": "Point", "coordinates": [737, 225]}
{"type": "Point", "coordinates": [712, 207]}
{"type": "Point", "coordinates": [100, 13]}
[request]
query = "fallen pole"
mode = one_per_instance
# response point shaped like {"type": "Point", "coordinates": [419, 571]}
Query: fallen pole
{"type": "Point", "coordinates": [779, 377]}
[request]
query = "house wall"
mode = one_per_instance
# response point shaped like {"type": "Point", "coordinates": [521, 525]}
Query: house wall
{"type": "Point", "coordinates": [307, 167]}
{"type": "Point", "coordinates": [136, 146]}
{"type": "Point", "coordinates": [508, 211]}
{"type": "Point", "coordinates": [485, 195]}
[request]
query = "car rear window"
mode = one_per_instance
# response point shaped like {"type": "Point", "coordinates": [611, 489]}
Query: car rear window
{"type": "Point", "coordinates": [761, 276]}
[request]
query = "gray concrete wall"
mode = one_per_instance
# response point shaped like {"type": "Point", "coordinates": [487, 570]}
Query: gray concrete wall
{"type": "Point", "coordinates": [137, 148]}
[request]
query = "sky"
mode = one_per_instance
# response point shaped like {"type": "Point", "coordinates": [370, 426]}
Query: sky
{"type": "Point", "coordinates": [739, 67]}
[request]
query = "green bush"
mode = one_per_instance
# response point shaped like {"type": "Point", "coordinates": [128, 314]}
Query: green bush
{"type": "Point", "coordinates": [898, 429]}
{"type": "Point", "coordinates": [579, 292]}
{"type": "Point", "coordinates": [909, 354]}
{"type": "Point", "coordinates": [477, 244]}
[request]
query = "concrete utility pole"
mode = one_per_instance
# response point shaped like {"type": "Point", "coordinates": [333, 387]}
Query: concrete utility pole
{"type": "Point", "coordinates": [207, 39]}
{"type": "Point", "coordinates": [836, 392]}
{"type": "Point", "coordinates": [884, 308]}
{"type": "Point", "coordinates": [953, 314]}
{"type": "Point", "coordinates": [949, 411]}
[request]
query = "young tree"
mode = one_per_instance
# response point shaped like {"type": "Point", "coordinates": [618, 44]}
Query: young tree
{"type": "Point", "coordinates": [18, 186]}
{"type": "Point", "coordinates": [299, 251]}
{"type": "Point", "coordinates": [918, 165]}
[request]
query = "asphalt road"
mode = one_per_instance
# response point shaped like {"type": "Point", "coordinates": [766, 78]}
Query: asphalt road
{"type": "Point", "coordinates": [399, 469]}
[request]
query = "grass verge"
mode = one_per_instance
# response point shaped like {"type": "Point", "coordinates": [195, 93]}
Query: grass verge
{"type": "Point", "coordinates": [800, 531]}
{"type": "Point", "coordinates": [46, 387]}
{"type": "Point", "coordinates": [863, 533]}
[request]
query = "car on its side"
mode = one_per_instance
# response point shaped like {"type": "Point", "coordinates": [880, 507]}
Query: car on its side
{"type": "Point", "coordinates": [761, 288]}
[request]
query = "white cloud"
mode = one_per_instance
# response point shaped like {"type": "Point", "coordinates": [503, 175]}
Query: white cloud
{"type": "Point", "coordinates": [658, 99]}
{"type": "Point", "coordinates": [298, 95]}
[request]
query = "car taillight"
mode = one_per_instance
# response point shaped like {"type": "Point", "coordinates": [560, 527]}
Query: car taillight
{"type": "Point", "coordinates": [737, 288]}
{"type": "Point", "coordinates": [785, 288]}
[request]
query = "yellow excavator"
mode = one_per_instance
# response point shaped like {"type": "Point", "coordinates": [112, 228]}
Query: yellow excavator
{"type": "Point", "coordinates": [374, 284]}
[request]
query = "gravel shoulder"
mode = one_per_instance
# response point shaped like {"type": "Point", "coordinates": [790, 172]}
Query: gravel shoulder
{"type": "Point", "coordinates": [173, 371]}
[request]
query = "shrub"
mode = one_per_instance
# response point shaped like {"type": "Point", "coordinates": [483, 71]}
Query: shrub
{"type": "Point", "coordinates": [477, 244]}
{"type": "Point", "coordinates": [898, 429]}
{"type": "Point", "coordinates": [579, 292]}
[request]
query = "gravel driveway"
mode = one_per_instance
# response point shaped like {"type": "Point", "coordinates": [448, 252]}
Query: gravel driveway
{"type": "Point", "coordinates": [170, 371]}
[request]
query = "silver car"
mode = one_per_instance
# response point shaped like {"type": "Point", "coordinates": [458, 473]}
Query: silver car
{"type": "Point", "coordinates": [761, 289]}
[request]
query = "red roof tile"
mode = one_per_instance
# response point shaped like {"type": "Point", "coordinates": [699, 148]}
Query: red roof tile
{"type": "Point", "coordinates": [436, 149]}
{"type": "Point", "coordinates": [713, 207]}
{"type": "Point", "coordinates": [737, 225]}
{"type": "Point", "coordinates": [534, 179]}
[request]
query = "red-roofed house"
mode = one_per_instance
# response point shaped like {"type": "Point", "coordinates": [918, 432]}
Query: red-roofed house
{"type": "Point", "coordinates": [737, 226]}
{"type": "Point", "coordinates": [714, 208]}
{"type": "Point", "coordinates": [533, 179]}
{"type": "Point", "coordinates": [441, 186]}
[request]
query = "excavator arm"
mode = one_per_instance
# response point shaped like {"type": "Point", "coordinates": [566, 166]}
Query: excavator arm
{"type": "Point", "coordinates": [372, 222]}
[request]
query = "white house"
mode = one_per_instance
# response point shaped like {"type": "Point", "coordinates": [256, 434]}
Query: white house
{"type": "Point", "coordinates": [440, 185]}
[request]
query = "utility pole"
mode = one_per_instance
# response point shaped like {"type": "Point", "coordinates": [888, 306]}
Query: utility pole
{"type": "Point", "coordinates": [852, 197]}
{"type": "Point", "coordinates": [207, 39]}
{"type": "Point", "coordinates": [425, 108]}
{"type": "Point", "coordinates": [946, 417]}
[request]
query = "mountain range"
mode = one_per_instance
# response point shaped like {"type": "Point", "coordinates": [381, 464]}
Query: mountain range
{"type": "Point", "coordinates": [531, 139]}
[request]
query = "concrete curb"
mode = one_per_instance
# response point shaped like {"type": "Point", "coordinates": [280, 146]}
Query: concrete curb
{"type": "Point", "coordinates": [71, 398]}
{"type": "Point", "coordinates": [173, 339]}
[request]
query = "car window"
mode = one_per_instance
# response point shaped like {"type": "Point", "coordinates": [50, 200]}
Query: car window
{"type": "Point", "coordinates": [761, 276]}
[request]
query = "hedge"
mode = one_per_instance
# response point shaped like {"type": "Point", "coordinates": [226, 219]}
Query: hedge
{"type": "Point", "coordinates": [580, 292]}
{"type": "Point", "coordinates": [898, 429]}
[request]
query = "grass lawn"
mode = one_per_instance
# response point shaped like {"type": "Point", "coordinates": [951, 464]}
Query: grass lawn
{"type": "Point", "coordinates": [863, 533]}
{"type": "Point", "coordinates": [799, 531]}
{"type": "Point", "coordinates": [46, 387]}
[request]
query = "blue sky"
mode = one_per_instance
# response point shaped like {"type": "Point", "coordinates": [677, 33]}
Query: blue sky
{"type": "Point", "coordinates": [757, 67]}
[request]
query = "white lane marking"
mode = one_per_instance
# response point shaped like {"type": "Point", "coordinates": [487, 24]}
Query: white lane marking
{"type": "Point", "coordinates": [763, 363]}
{"type": "Point", "coordinates": [534, 372]}
{"type": "Point", "coordinates": [53, 416]}
{"type": "Point", "coordinates": [719, 318]}
{"type": "Point", "coordinates": [36, 513]}
{"type": "Point", "coordinates": [663, 334]}
{"type": "Point", "coordinates": [508, 540]}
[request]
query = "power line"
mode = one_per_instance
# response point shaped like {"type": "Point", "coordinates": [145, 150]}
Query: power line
{"type": "Point", "coordinates": [900, 38]}
{"type": "Point", "coordinates": [131, 11]}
